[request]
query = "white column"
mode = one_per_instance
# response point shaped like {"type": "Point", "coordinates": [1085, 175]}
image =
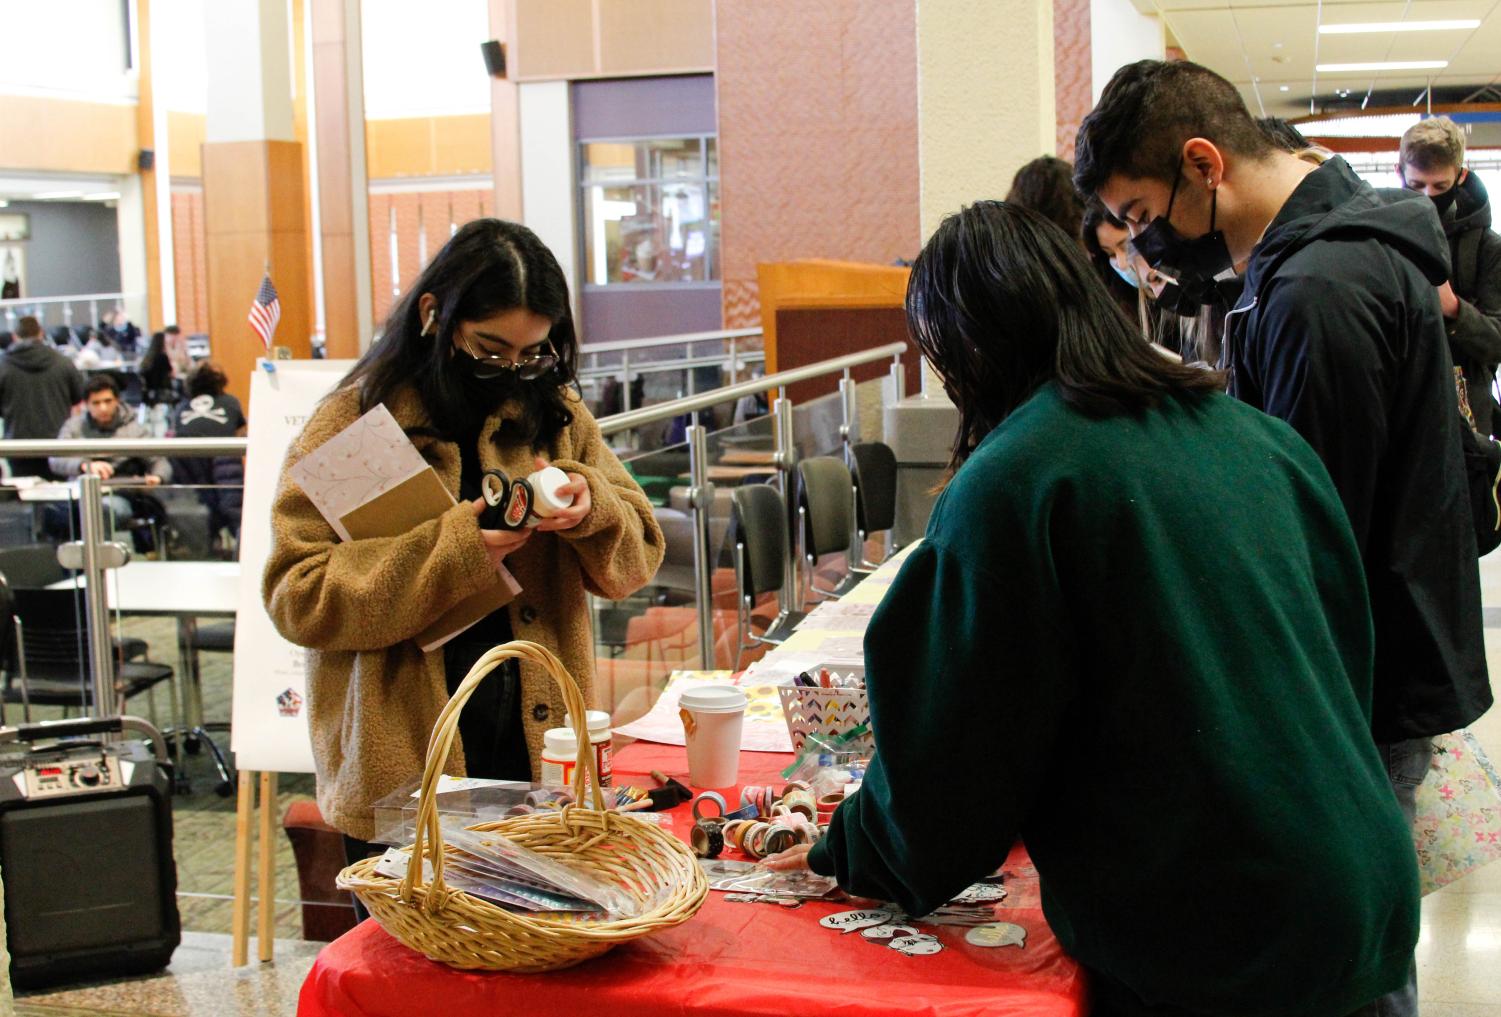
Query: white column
{"type": "Point", "coordinates": [359, 176]}
{"type": "Point", "coordinates": [984, 103]}
{"type": "Point", "coordinates": [250, 74]}
{"type": "Point", "coordinates": [1120, 33]}
{"type": "Point", "coordinates": [130, 218]}
{"type": "Point", "coordinates": [549, 199]}
{"type": "Point", "coordinates": [165, 259]}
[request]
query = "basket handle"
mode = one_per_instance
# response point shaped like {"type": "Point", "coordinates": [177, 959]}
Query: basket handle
{"type": "Point", "coordinates": [446, 729]}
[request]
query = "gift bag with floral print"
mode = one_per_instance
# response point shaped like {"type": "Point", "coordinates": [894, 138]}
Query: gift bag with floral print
{"type": "Point", "coordinates": [1458, 824]}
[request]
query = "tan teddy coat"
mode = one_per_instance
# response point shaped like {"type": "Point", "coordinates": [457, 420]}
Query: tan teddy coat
{"type": "Point", "coordinates": [373, 695]}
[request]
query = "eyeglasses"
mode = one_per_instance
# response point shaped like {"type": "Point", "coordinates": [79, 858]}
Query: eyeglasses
{"type": "Point", "coordinates": [493, 365]}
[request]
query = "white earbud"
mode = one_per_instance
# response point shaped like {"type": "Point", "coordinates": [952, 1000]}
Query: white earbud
{"type": "Point", "coordinates": [432, 317]}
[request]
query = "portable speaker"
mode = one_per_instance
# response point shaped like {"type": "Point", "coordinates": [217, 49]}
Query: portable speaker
{"type": "Point", "coordinates": [86, 852]}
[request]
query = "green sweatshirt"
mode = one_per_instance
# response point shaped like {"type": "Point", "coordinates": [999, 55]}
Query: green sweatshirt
{"type": "Point", "coordinates": [1143, 645]}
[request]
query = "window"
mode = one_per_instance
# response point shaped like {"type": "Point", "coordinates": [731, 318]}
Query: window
{"type": "Point", "coordinates": [650, 210]}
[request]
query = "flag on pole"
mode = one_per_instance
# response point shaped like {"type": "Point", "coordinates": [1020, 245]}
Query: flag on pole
{"type": "Point", "coordinates": [265, 311]}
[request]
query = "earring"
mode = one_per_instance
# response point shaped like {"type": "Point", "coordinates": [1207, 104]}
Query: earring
{"type": "Point", "coordinates": [427, 328]}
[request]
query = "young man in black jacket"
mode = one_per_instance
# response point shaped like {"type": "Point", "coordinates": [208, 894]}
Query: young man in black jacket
{"type": "Point", "coordinates": [1338, 331]}
{"type": "Point", "coordinates": [38, 389]}
{"type": "Point", "coordinates": [1432, 162]}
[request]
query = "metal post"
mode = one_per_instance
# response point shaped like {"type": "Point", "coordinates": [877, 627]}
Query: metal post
{"type": "Point", "coordinates": [701, 500]}
{"type": "Point", "coordinates": [898, 380]}
{"type": "Point", "coordinates": [93, 312]}
{"type": "Point", "coordinates": [625, 378]}
{"type": "Point", "coordinates": [101, 650]}
{"type": "Point", "coordinates": [786, 461]}
{"type": "Point", "coordinates": [849, 425]}
{"type": "Point", "coordinates": [734, 356]}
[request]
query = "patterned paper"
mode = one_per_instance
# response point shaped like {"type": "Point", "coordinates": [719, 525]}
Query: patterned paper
{"type": "Point", "coordinates": [361, 462]}
{"type": "Point", "coordinates": [1458, 825]}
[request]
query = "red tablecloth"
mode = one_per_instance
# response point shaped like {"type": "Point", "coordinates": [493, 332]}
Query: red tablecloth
{"type": "Point", "coordinates": [730, 959]}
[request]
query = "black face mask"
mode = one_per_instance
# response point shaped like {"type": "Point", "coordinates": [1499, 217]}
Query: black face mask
{"type": "Point", "coordinates": [1444, 202]}
{"type": "Point", "coordinates": [1193, 264]}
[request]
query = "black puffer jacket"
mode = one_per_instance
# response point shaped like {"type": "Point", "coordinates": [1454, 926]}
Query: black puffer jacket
{"type": "Point", "coordinates": [1475, 336]}
{"type": "Point", "coordinates": [1339, 333]}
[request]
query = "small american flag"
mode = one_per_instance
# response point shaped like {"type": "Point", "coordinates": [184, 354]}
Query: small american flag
{"type": "Point", "coordinates": [265, 311]}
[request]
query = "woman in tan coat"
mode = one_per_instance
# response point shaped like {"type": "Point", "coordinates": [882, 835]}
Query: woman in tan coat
{"type": "Point", "coordinates": [476, 363]}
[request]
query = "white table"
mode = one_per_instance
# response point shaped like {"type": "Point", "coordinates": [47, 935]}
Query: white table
{"type": "Point", "coordinates": [186, 590]}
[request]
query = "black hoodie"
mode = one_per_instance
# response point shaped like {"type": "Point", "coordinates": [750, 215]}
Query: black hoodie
{"type": "Point", "coordinates": [1475, 335]}
{"type": "Point", "coordinates": [1339, 333]}
{"type": "Point", "coordinates": [38, 389]}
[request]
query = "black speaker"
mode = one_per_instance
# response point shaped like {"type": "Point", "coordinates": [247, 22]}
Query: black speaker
{"type": "Point", "coordinates": [495, 58]}
{"type": "Point", "coordinates": [146, 159]}
{"type": "Point", "coordinates": [86, 848]}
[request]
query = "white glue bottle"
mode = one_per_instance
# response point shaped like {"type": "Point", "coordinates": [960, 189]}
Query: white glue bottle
{"type": "Point", "coordinates": [548, 498]}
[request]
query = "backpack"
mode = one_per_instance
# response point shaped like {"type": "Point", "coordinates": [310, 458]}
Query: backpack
{"type": "Point", "coordinates": [1482, 458]}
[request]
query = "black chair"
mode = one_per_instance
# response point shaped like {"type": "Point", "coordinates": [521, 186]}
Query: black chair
{"type": "Point", "coordinates": [216, 637]}
{"type": "Point", "coordinates": [825, 517]}
{"type": "Point", "coordinates": [35, 567]}
{"type": "Point", "coordinates": [51, 652]}
{"type": "Point", "coordinates": [874, 474]}
{"type": "Point", "coordinates": [759, 532]}
{"type": "Point", "coordinates": [12, 660]}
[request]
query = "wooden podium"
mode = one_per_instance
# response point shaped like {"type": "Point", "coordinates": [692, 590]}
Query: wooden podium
{"type": "Point", "coordinates": [815, 309]}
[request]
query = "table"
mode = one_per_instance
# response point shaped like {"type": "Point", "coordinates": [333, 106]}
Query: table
{"type": "Point", "coordinates": [186, 590]}
{"type": "Point", "coordinates": [730, 959]}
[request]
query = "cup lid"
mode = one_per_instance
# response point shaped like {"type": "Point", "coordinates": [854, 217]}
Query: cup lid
{"type": "Point", "coordinates": [714, 699]}
{"type": "Point", "coordinates": [599, 721]}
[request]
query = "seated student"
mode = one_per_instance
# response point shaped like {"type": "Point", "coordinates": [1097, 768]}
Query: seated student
{"type": "Point", "coordinates": [210, 412]}
{"type": "Point", "coordinates": [1046, 186]}
{"type": "Point", "coordinates": [1432, 162]}
{"type": "Point", "coordinates": [105, 416]}
{"type": "Point", "coordinates": [1177, 726]}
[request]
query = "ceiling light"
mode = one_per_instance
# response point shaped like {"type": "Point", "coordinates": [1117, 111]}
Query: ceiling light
{"type": "Point", "coordinates": [103, 196]}
{"type": "Point", "coordinates": [1283, 88]}
{"type": "Point", "coordinates": [4, 203]}
{"type": "Point", "coordinates": [1364, 27]}
{"type": "Point", "coordinates": [56, 195]}
{"type": "Point", "coordinates": [1390, 125]}
{"type": "Point", "coordinates": [1384, 65]}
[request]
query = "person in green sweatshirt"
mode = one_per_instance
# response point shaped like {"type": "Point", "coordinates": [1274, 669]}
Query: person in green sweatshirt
{"type": "Point", "coordinates": [1136, 636]}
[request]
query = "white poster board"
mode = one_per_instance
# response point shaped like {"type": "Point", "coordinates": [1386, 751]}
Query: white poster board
{"type": "Point", "coordinates": [269, 731]}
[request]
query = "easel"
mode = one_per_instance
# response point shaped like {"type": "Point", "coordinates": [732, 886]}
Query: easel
{"type": "Point", "coordinates": [266, 914]}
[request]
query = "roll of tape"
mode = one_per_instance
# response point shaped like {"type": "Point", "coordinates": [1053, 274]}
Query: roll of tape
{"type": "Point", "coordinates": [707, 839]}
{"type": "Point", "coordinates": [712, 796]}
{"type": "Point", "coordinates": [778, 840]}
{"type": "Point", "coordinates": [755, 839]}
{"type": "Point", "coordinates": [801, 800]}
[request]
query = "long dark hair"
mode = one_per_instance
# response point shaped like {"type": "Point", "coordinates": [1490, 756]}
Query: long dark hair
{"type": "Point", "coordinates": [1001, 302]}
{"type": "Point", "coordinates": [1046, 185]}
{"type": "Point", "coordinates": [155, 349]}
{"type": "Point", "coordinates": [487, 267]}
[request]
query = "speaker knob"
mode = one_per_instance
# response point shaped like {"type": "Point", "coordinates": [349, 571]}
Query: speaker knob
{"type": "Point", "coordinates": [88, 775]}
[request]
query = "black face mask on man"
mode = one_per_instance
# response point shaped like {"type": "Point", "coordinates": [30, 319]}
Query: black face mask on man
{"type": "Point", "coordinates": [1443, 202]}
{"type": "Point", "coordinates": [1192, 263]}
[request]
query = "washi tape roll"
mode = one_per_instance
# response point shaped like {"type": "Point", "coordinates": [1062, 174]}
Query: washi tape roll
{"type": "Point", "coordinates": [712, 796]}
{"type": "Point", "coordinates": [707, 839]}
{"type": "Point", "coordinates": [801, 800]}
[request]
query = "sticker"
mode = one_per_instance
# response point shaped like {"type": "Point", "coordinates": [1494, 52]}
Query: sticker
{"type": "Point", "coordinates": [851, 921]}
{"type": "Point", "coordinates": [880, 932]}
{"type": "Point", "coordinates": [917, 946]}
{"type": "Point", "coordinates": [997, 934]}
{"type": "Point", "coordinates": [981, 893]}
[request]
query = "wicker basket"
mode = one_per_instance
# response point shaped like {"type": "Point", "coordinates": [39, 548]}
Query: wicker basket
{"type": "Point", "coordinates": [828, 712]}
{"type": "Point", "coordinates": [463, 931]}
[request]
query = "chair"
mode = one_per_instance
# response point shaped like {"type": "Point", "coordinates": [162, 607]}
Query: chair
{"type": "Point", "coordinates": [759, 531]}
{"type": "Point", "coordinates": [35, 567]}
{"type": "Point", "coordinates": [51, 658]}
{"type": "Point", "coordinates": [874, 474]}
{"type": "Point", "coordinates": [826, 517]}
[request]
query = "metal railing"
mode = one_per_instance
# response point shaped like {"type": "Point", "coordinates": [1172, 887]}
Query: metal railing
{"type": "Point", "coordinates": [784, 459]}
{"type": "Point", "coordinates": [594, 370]}
{"type": "Point", "coordinates": [96, 555]}
{"type": "Point", "coordinates": [38, 307]}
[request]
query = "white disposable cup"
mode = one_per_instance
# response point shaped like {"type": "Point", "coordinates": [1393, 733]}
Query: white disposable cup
{"type": "Point", "coordinates": [712, 718]}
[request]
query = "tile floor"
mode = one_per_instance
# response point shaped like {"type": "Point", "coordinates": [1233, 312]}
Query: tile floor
{"type": "Point", "coordinates": [1459, 952]}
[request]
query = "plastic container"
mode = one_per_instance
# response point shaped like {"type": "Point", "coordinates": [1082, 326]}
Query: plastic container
{"type": "Point", "coordinates": [712, 719]}
{"type": "Point", "coordinates": [547, 498]}
{"type": "Point", "coordinates": [560, 754]}
{"type": "Point", "coordinates": [600, 738]}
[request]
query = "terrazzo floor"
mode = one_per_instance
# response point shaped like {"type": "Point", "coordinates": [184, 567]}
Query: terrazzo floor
{"type": "Point", "coordinates": [1459, 952]}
